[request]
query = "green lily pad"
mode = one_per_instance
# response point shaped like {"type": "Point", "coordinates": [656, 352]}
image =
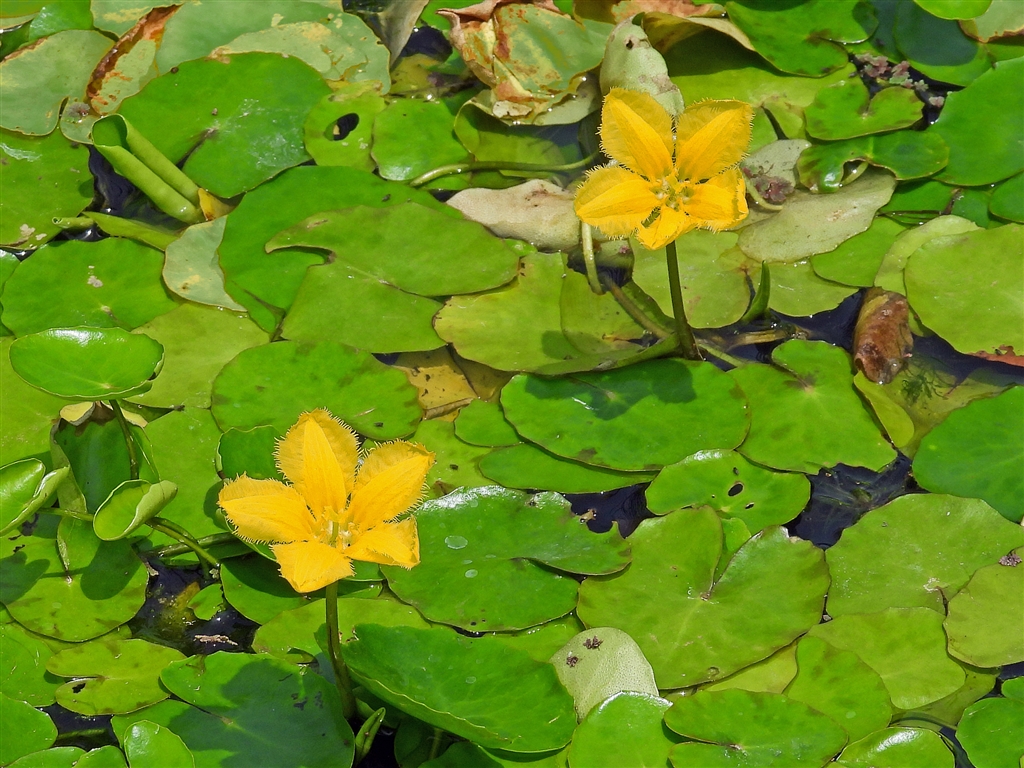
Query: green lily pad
{"type": "Point", "coordinates": [926, 197]}
{"type": "Point", "coordinates": [192, 269]}
{"type": "Point", "coordinates": [250, 452]}
{"type": "Point", "coordinates": [856, 261]}
{"type": "Point", "coordinates": [110, 283]}
{"type": "Point", "coordinates": [908, 154]}
{"type": "Point", "coordinates": [732, 486]}
{"type": "Point", "coordinates": [796, 232]}
{"type": "Point", "coordinates": [66, 757]}
{"type": "Point", "coordinates": [905, 646]}
{"type": "Point", "coordinates": [838, 684]}
{"type": "Point", "coordinates": [711, 66]}
{"type": "Point", "coordinates": [626, 729]}
{"type": "Point", "coordinates": [955, 9]}
{"type": "Point", "coordinates": [413, 136]}
{"type": "Point", "coordinates": [25, 488]}
{"type": "Point", "coordinates": [891, 271]}
{"type": "Point", "coordinates": [131, 505]}
{"type": "Point", "coordinates": [455, 462]}
{"type": "Point", "coordinates": [484, 423]}
{"type": "Point", "coordinates": [771, 675]}
{"type": "Point", "coordinates": [982, 310]}
{"type": "Point", "coordinates": [990, 730]}
{"type": "Point", "coordinates": [208, 602]}
{"type": "Point", "coordinates": [255, 588]}
{"type": "Point", "coordinates": [938, 47]}
{"type": "Point", "coordinates": [149, 745]}
{"type": "Point", "coordinates": [43, 178]}
{"type": "Point", "coordinates": [977, 452]}
{"type": "Point", "coordinates": [38, 78]}
{"type": "Point", "coordinates": [526, 311]}
{"type": "Point", "coordinates": [416, 248]}
{"type": "Point", "coordinates": [198, 342]}
{"type": "Point", "coordinates": [24, 729]}
{"type": "Point", "coordinates": [713, 274]}
{"type": "Point", "coordinates": [251, 709]}
{"type": "Point", "coordinates": [673, 407]}
{"type": "Point", "coordinates": [456, 691]}
{"type": "Point", "coordinates": [985, 616]}
{"type": "Point", "coordinates": [352, 107]}
{"type": "Point", "coordinates": [27, 413]}
{"type": "Point", "coordinates": [897, 748]}
{"type": "Point", "coordinates": [495, 559]}
{"type": "Point", "coordinates": [695, 628]}
{"type": "Point", "coordinates": [595, 323]}
{"type": "Point", "coordinates": [993, 100]}
{"type": "Point", "coordinates": [917, 550]}
{"type": "Point", "coordinates": [798, 291]}
{"type": "Point", "coordinates": [803, 39]}
{"type": "Point", "coordinates": [543, 640]}
{"type": "Point", "coordinates": [1007, 201]}
{"type": "Point", "coordinates": [283, 203]}
{"type": "Point", "coordinates": [103, 586]}
{"type": "Point", "coordinates": [528, 466]}
{"type": "Point", "coordinates": [111, 675]}
{"type": "Point", "coordinates": [212, 99]}
{"type": "Point", "coordinates": [291, 634]}
{"type": "Point", "coordinates": [24, 676]}
{"type": "Point", "coordinates": [846, 110]}
{"type": "Point", "coordinates": [809, 416]}
{"type": "Point", "coordinates": [949, 709]}
{"type": "Point", "coordinates": [488, 139]}
{"type": "Point", "coordinates": [599, 663]}
{"type": "Point", "coordinates": [741, 728]}
{"type": "Point", "coordinates": [274, 383]}
{"type": "Point", "coordinates": [87, 363]}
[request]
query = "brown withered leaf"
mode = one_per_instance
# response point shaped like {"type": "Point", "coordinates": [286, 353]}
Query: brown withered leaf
{"type": "Point", "coordinates": [882, 341]}
{"type": "Point", "coordinates": [1004, 354]}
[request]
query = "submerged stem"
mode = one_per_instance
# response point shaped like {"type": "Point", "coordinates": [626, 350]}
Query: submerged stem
{"type": "Point", "coordinates": [687, 344]}
{"type": "Point", "coordinates": [341, 676]}
{"type": "Point", "coordinates": [587, 242]}
{"type": "Point", "coordinates": [129, 441]}
{"type": "Point", "coordinates": [632, 309]}
{"type": "Point", "coordinates": [178, 533]}
{"type": "Point", "coordinates": [499, 165]}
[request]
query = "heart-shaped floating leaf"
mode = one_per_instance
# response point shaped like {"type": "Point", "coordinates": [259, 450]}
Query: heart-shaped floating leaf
{"type": "Point", "coordinates": [985, 617]}
{"type": "Point", "coordinates": [59, 598]}
{"type": "Point", "coordinates": [25, 487]}
{"type": "Point", "coordinates": [810, 417]}
{"type": "Point", "coordinates": [846, 110]}
{"type": "Point", "coordinates": [130, 505]}
{"type": "Point", "coordinates": [897, 748]}
{"type": "Point", "coordinates": [916, 550]}
{"type": "Point", "coordinates": [149, 745]}
{"type": "Point", "coordinates": [673, 408]}
{"type": "Point", "coordinates": [599, 663]}
{"type": "Point", "coordinates": [905, 646]}
{"type": "Point", "coordinates": [455, 462]}
{"type": "Point", "coordinates": [25, 676]}
{"type": "Point", "coordinates": [728, 483]}
{"type": "Point", "coordinates": [490, 559]}
{"type": "Point", "coordinates": [1007, 200]}
{"type": "Point", "coordinates": [990, 730]}
{"type": "Point", "coordinates": [856, 261]}
{"type": "Point", "coordinates": [484, 423]}
{"type": "Point", "coordinates": [693, 627]}
{"type": "Point", "coordinates": [23, 729]}
{"type": "Point", "coordinates": [87, 363]}
{"type": "Point", "coordinates": [338, 130]}
{"type": "Point", "coordinates": [938, 48]}
{"type": "Point", "coordinates": [908, 154]}
{"type": "Point", "coordinates": [838, 684]}
{"type": "Point", "coordinates": [528, 466]}
{"type": "Point", "coordinates": [626, 729]}
{"type": "Point", "coordinates": [456, 691]}
{"type": "Point", "coordinates": [751, 729]}
{"type": "Point", "coordinates": [111, 675]}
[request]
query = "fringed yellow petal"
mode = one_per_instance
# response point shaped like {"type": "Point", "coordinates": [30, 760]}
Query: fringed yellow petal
{"type": "Point", "coordinates": [266, 510]}
{"type": "Point", "coordinates": [389, 483]}
{"type": "Point", "coordinates": [311, 565]}
{"type": "Point", "coordinates": [720, 202]}
{"type": "Point", "coordinates": [637, 131]}
{"type": "Point", "coordinates": [319, 455]}
{"type": "Point", "coordinates": [388, 544]}
{"type": "Point", "coordinates": [615, 200]}
{"type": "Point", "coordinates": [712, 136]}
{"type": "Point", "coordinates": [669, 225]}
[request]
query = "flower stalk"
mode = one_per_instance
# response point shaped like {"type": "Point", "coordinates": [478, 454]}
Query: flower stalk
{"type": "Point", "coordinates": [342, 680]}
{"type": "Point", "coordinates": [684, 334]}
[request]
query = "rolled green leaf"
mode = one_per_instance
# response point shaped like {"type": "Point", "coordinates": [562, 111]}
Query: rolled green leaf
{"type": "Point", "coordinates": [131, 504]}
{"type": "Point", "coordinates": [25, 488]}
{"type": "Point", "coordinates": [143, 165]}
{"type": "Point", "coordinates": [115, 226]}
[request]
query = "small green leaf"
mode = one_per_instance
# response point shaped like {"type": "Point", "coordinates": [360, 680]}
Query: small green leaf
{"type": "Point", "coordinates": [908, 154]}
{"type": "Point", "coordinates": [149, 745]}
{"type": "Point", "coordinates": [985, 617]}
{"type": "Point", "coordinates": [626, 729]}
{"type": "Point", "coordinates": [131, 505]}
{"type": "Point", "coordinates": [26, 487]}
{"type": "Point", "coordinates": [990, 730]}
{"type": "Point", "coordinates": [338, 130]}
{"type": "Point", "coordinates": [897, 748]}
{"type": "Point", "coordinates": [23, 729]}
{"type": "Point", "coordinates": [846, 110]}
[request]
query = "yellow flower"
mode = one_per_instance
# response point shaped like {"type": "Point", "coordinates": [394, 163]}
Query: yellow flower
{"type": "Point", "coordinates": [665, 184]}
{"type": "Point", "coordinates": [330, 514]}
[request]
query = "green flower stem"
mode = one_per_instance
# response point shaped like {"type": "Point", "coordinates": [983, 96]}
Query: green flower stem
{"type": "Point", "coordinates": [64, 512]}
{"type": "Point", "coordinates": [499, 165]}
{"type": "Point", "coordinates": [587, 242]}
{"type": "Point", "coordinates": [633, 310]}
{"type": "Point", "coordinates": [687, 344]}
{"type": "Point", "coordinates": [129, 441]}
{"type": "Point", "coordinates": [178, 533]}
{"type": "Point", "coordinates": [214, 540]}
{"type": "Point", "coordinates": [341, 676]}
{"type": "Point", "coordinates": [724, 356]}
{"type": "Point", "coordinates": [115, 226]}
{"type": "Point", "coordinates": [436, 740]}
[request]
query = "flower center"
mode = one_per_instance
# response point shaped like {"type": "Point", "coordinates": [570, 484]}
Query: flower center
{"type": "Point", "coordinates": [675, 193]}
